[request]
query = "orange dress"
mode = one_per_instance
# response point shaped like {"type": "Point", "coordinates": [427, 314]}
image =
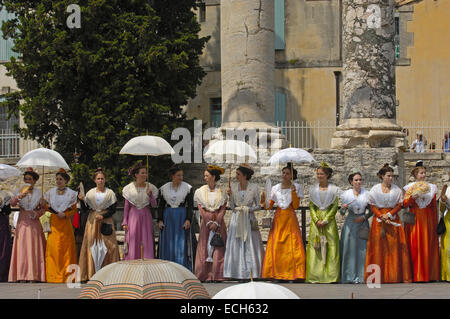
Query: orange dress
{"type": "Point", "coordinates": [285, 256]}
{"type": "Point", "coordinates": [386, 246]}
{"type": "Point", "coordinates": [61, 250]}
{"type": "Point", "coordinates": [423, 240]}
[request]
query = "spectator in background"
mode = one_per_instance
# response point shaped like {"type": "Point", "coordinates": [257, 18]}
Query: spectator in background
{"type": "Point", "coordinates": [432, 147]}
{"type": "Point", "coordinates": [446, 142]}
{"type": "Point", "coordinates": [419, 144]}
{"type": "Point", "coordinates": [406, 132]}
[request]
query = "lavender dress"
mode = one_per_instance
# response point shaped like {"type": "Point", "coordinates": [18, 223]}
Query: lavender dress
{"type": "Point", "coordinates": [137, 215]}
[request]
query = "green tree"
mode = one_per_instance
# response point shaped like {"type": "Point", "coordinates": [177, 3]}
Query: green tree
{"type": "Point", "coordinates": [125, 72]}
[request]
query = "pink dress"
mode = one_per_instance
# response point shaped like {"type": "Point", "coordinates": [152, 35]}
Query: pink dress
{"type": "Point", "coordinates": [209, 260]}
{"type": "Point", "coordinates": [140, 225]}
{"type": "Point", "coordinates": [204, 270]}
{"type": "Point", "coordinates": [28, 253]}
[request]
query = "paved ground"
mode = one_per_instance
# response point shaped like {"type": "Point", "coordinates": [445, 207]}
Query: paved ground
{"type": "Point", "coordinates": [305, 291]}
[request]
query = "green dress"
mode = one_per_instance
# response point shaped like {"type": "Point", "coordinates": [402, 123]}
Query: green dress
{"type": "Point", "coordinates": [445, 239]}
{"type": "Point", "coordinates": [322, 254]}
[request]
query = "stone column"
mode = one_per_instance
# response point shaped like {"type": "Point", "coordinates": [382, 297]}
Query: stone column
{"type": "Point", "coordinates": [248, 75]}
{"type": "Point", "coordinates": [368, 76]}
{"type": "Point", "coordinates": [247, 63]}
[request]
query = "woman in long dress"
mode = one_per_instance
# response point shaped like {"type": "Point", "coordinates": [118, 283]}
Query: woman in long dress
{"type": "Point", "coordinates": [322, 254]}
{"type": "Point", "coordinates": [101, 204]}
{"type": "Point", "coordinates": [28, 253]}
{"type": "Point", "coordinates": [137, 217]}
{"type": "Point", "coordinates": [244, 252]}
{"type": "Point", "coordinates": [352, 246]}
{"type": "Point", "coordinates": [211, 202]}
{"type": "Point", "coordinates": [285, 253]}
{"type": "Point", "coordinates": [176, 200]}
{"type": "Point", "coordinates": [387, 250]}
{"type": "Point", "coordinates": [444, 207]}
{"type": "Point", "coordinates": [5, 236]}
{"type": "Point", "coordinates": [422, 239]}
{"type": "Point", "coordinates": [61, 251]}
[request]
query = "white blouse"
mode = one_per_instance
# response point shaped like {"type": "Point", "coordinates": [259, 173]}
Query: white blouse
{"type": "Point", "coordinates": [99, 197]}
{"type": "Point", "coordinates": [61, 202]}
{"type": "Point", "coordinates": [283, 196]}
{"type": "Point", "coordinates": [137, 196]}
{"type": "Point", "coordinates": [210, 200]}
{"type": "Point", "coordinates": [423, 200]}
{"type": "Point", "coordinates": [31, 201]}
{"type": "Point", "coordinates": [357, 204]}
{"type": "Point", "coordinates": [385, 200]}
{"type": "Point", "coordinates": [331, 193]}
{"type": "Point", "coordinates": [174, 197]}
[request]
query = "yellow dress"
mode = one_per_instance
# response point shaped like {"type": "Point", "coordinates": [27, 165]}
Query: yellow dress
{"type": "Point", "coordinates": [61, 249]}
{"type": "Point", "coordinates": [285, 253]}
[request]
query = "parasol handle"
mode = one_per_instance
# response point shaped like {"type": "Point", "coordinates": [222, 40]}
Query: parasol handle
{"type": "Point", "coordinates": [148, 178]}
{"type": "Point", "coordinates": [43, 175]}
{"type": "Point", "coordinates": [142, 251]}
{"type": "Point", "coordinates": [292, 173]}
{"type": "Point", "coordinates": [229, 177]}
{"type": "Point", "coordinates": [97, 233]}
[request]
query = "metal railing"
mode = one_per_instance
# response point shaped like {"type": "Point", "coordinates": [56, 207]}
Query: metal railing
{"type": "Point", "coordinates": [318, 134]}
{"type": "Point", "coordinates": [13, 146]}
{"type": "Point", "coordinates": [308, 134]}
{"type": "Point", "coordinates": [9, 143]}
{"type": "Point", "coordinates": [301, 134]}
{"type": "Point", "coordinates": [433, 132]}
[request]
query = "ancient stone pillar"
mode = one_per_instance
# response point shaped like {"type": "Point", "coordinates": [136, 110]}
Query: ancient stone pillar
{"type": "Point", "coordinates": [368, 76]}
{"type": "Point", "coordinates": [248, 75]}
{"type": "Point", "coordinates": [247, 63]}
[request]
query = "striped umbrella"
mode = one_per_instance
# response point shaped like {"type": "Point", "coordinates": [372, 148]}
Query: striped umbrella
{"type": "Point", "coordinates": [144, 279]}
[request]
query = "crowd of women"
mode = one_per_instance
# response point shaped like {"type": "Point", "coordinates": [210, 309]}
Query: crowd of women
{"type": "Point", "coordinates": [400, 250]}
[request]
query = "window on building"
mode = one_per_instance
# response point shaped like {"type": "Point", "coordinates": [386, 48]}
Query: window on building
{"type": "Point", "coordinates": [201, 12]}
{"type": "Point", "coordinates": [9, 140]}
{"type": "Point", "coordinates": [5, 123]}
{"type": "Point", "coordinates": [6, 51]}
{"type": "Point", "coordinates": [279, 25]}
{"type": "Point", "coordinates": [280, 109]}
{"type": "Point", "coordinates": [216, 112]}
{"type": "Point", "coordinates": [397, 37]}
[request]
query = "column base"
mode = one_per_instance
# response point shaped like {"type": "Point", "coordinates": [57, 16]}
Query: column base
{"type": "Point", "coordinates": [368, 133]}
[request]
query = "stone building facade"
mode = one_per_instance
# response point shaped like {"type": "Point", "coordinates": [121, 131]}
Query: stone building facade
{"type": "Point", "coordinates": [309, 61]}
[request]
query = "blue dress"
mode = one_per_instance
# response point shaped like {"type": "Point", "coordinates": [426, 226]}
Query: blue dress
{"type": "Point", "coordinates": [175, 207]}
{"type": "Point", "coordinates": [352, 247]}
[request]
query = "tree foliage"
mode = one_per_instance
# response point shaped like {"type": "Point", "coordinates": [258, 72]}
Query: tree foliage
{"type": "Point", "coordinates": [126, 72]}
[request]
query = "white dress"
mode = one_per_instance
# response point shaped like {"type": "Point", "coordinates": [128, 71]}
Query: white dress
{"type": "Point", "coordinates": [244, 249]}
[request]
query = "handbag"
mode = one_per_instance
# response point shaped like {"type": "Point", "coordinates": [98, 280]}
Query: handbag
{"type": "Point", "coordinates": [254, 224]}
{"type": "Point", "coordinates": [106, 229]}
{"type": "Point", "coordinates": [409, 217]}
{"type": "Point", "coordinates": [364, 231]}
{"type": "Point", "coordinates": [441, 229]}
{"type": "Point", "coordinates": [217, 241]}
{"type": "Point", "coordinates": [266, 222]}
